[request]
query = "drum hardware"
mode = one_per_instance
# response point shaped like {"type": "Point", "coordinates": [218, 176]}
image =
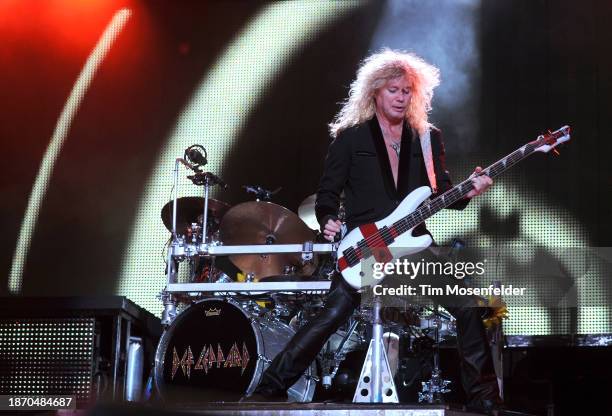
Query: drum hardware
{"type": "Point", "coordinates": [193, 232]}
{"type": "Point", "coordinates": [248, 287]}
{"type": "Point", "coordinates": [337, 357]}
{"type": "Point", "coordinates": [193, 160]}
{"type": "Point", "coordinates": [179, 249]}
{"type": "Point", "coordinates": [281, 311]}
{"type": "Point", "coordinates": [206, 179]}
{"type": "Point", "coordinates": [253, 308]}
{"type": "Point", "coordinates": [228, 249]}
{"type": "Point", "coordinates": [172, 262]}
{"type": "Point", "coordinates": [286, 278]}
{"type": "Point", "coordinates": [223, 278]}
{"type": "Point", "coordinates": [306, 310]}
{"type": "Point", "coordinates": [191, 229]}
{"type": "Point", "coordinates": [169, 312]}
{"type": "Point", "coordinates": [438, 324]}
{"type": "Point", "coordinates": [206, 271]}
{"type": "Point", "coordinates": [261, 194]}
{"type": "Point", "coordinates": [288, 270]}
{"type": "Point", "coordinates": [435, 387]}
{"type": "Point", "coordinates": [307, 255]}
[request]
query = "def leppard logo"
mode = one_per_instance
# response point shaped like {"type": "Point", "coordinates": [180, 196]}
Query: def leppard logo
{"type": "Point", "coordinates": [208, 358]}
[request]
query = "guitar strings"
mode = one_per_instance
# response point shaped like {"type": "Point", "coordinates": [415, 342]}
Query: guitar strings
{"type": "Point", "coordinates": [406, 223]}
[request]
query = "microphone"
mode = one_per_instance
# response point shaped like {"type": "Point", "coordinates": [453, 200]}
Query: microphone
{"type": "Point", "coordinates": [195, 156]}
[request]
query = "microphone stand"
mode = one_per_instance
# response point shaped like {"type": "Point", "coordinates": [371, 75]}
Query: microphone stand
{"type": "Point", "coordinates": [206, 179]}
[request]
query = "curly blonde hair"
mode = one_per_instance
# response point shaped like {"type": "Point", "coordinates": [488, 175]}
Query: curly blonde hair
{"type": "Point", "coordinates": [373, 73]}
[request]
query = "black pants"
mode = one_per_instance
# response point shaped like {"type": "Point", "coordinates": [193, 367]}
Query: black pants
{"type": "Point", "coordinates": [477, 372]}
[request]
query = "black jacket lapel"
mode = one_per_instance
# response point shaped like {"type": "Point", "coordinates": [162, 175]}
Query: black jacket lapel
{"type": "Point", "coordinates": [403, 171]}
{"type": "Point", "coordinates": [383, 157]}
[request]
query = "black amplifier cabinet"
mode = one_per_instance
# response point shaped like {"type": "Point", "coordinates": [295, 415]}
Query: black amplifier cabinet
{"type": "Point", "coordinates": [75, 346]}
{"type": "Point", "coordinates": [560, 375]}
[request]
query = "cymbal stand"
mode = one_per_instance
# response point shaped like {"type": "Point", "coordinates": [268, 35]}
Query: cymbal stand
{"type": "Point", "coordinates": [433, 389]}
{"type": "Point", "coordinates": [177, 245]}
{"type": "Point", "coordinates": [168, 299]}
{"type": "Point", "coordinates": [205, 179]}
{"type": "Point", "coordinates": [205, 214]}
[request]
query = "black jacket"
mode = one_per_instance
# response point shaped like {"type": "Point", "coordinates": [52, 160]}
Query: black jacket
{"type": "Point", "coordinates": [357, 162]}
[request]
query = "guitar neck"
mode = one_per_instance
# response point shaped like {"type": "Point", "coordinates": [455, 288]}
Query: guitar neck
{"type": "Point", "coordinates": [459, 191]}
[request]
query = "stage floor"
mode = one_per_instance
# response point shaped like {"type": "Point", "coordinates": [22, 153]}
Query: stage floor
{"type": "Point", "coordinates": [296, 409]}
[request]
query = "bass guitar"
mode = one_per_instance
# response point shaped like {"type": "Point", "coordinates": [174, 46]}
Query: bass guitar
{"type": "Point", "coordinates": [391, 238]}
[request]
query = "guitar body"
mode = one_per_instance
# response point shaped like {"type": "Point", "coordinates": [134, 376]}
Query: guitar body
{"type": "Point", "coordinates": [404, 244]}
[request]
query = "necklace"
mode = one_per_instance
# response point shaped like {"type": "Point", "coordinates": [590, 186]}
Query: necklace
{"type": "Point", "coordinates": [396, 146]}
{"type": "Point", "coordinates": [388, 134]}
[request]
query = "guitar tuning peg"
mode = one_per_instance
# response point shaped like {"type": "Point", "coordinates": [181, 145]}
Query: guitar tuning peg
{"type": "Point", "coordinates": [556, 152]}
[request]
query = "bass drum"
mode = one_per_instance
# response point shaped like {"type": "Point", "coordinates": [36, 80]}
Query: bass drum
{"type": "Point", "coordinates": [217, 351]}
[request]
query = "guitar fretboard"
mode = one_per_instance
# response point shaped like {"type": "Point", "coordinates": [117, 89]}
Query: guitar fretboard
{"type": "Point", "coordinates": [459, 191]}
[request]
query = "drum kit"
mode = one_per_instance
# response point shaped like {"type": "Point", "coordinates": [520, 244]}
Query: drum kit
{"type": "Point", "coordinates": [256, 275]}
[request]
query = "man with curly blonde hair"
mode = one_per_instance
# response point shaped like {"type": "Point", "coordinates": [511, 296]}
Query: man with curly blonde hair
{"type": "Point", "coordinates": [383, 148]}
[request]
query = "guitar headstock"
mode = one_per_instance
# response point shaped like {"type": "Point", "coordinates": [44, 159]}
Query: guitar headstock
{"type": "Point", "coordinates": [548, 141]}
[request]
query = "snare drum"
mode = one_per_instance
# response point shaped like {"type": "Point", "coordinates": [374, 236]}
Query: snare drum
{"type": "Point", "coordinates": [217, 350]}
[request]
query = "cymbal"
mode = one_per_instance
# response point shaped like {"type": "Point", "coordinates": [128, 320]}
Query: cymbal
{"type": "Point", "coordinates": [259, 222]}
{"type": "Point", "coordinates": [189, 208]}
{"type": "Point", "coordinates": [306, 211]}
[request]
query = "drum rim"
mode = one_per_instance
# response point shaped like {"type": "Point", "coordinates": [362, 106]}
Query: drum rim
{"type": "Point", "coordinates": [162, 346]}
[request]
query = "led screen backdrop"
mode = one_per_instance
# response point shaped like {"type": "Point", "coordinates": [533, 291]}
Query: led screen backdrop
{"type": "Point", "coordinates": [98, 100]}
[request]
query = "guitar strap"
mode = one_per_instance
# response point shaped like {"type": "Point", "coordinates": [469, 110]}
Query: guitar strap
{"type": "Point", "coordinates": [428, 158]}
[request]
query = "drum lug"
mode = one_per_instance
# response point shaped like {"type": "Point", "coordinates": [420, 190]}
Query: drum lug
{"type": "Point", "coordinates": [169, 312]}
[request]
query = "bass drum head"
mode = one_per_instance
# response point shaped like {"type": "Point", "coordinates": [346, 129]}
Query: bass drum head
{"type": "Point", "coordinates": [208, 354]}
